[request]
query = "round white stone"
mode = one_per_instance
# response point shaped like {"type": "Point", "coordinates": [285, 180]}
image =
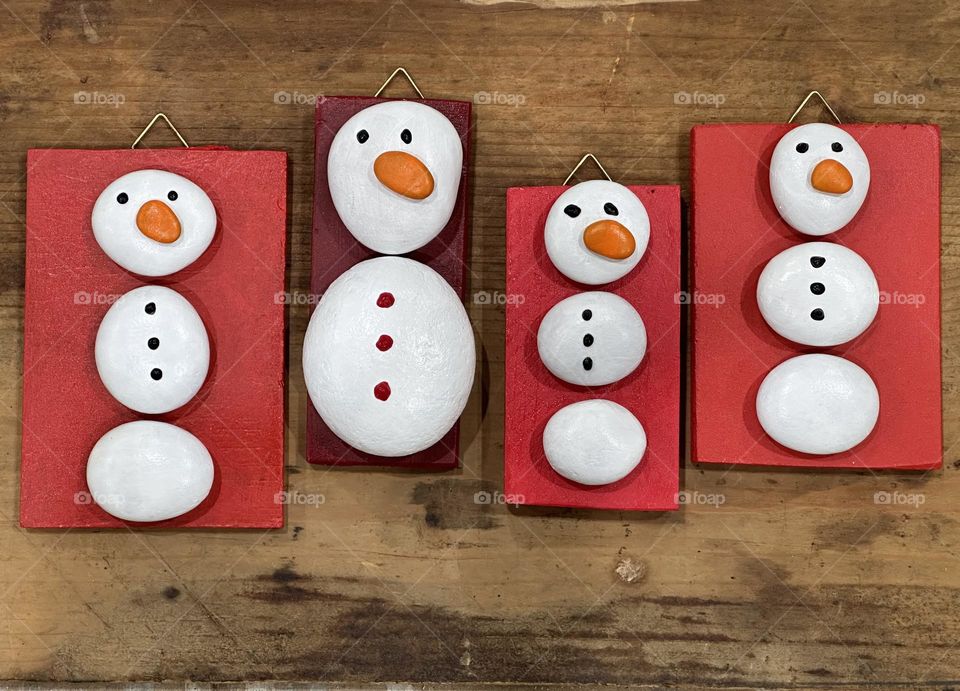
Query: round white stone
{"type": "Point", "coordinates": [802, 206]}
{"type": "Point", "coordinates": [563, 234]}
{"type": "Point", "coordinates": [127, 363]}
{"type": "Point", "coordinates": [149, 471]}
{"type": "Point", "coordinates": [378, 217]}
{"type": "Point", "coordinates": [429, 366]}
{"type": "Point", "coordinates": [594, 442]}
{"type": "Point", "coordinates": [115, 224]}
{"type": "Point", "coordinates": [848, 299]}
{"type": "Point", "coordinates": [614, 330]}
{"type": "Point", "coordinates": [818, 404]}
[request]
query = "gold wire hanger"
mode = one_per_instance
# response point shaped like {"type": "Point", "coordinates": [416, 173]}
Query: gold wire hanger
{"type": "Point", "coordinates": [822, 100]}
{"type": "Point", "coordinates": [159, 116]}
{"type": "Point", "coordinates": [403, 71]}
{"type": "Point", "coordinates": [586, 157]}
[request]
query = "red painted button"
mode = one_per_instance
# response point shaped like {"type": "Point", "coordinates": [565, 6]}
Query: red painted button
{"type": "Point", "coordinates": [385, 300]}
{"type": "Point", "coordinates": [384, 343]}
{"type": "Point", "coordinates": [382, 391]}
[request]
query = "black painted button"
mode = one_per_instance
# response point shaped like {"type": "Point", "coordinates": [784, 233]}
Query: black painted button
{"type": "Point", "coordinates": [156, 374]}
{"type": "Point", "coordinates": [588, 340]}
{"type": "Point", "coordinates": [817, 262]}
{"type": "Point", "coordinates": [817, 315]}
{"type": "Point", "coordinates": [587, 314]}
{"type": "Point", "coordinates": [817, 288]}
{"type": "Point", "coordinates": [587, 364]}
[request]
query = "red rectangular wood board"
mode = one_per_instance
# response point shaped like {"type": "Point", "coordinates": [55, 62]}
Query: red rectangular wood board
{"type": "Point", "coordinates": [335, 250]}
{"type": "Point", "coordinates": [236, 286]}
{"type": "Point", "coordinates": [651, 392]}
{"type": "Point", "coordinates": [736, 230]}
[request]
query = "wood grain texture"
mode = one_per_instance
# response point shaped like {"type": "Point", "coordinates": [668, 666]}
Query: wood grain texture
{"type": "Point", "coordinates": [798, 578]}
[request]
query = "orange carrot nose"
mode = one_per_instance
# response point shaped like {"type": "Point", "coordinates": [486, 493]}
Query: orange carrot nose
{"type": "Point", "coordinates": [157, 221]}
{"type": "Point", "coordinates": [832, 177]}
{"type": "Point", "coordinates": [609, 239]}
{"type": "Point", "coordinates": [404, 174]}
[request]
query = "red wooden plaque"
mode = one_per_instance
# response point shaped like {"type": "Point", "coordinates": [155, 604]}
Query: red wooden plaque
{"type": "Point", "coordinates": [236, 286]}
{"type": "Point", "coordinates": [736, 230]}
{"type": "Point", "coordinates": [335, 250]}
{"type": "Point", "coordinates": [651, 392]}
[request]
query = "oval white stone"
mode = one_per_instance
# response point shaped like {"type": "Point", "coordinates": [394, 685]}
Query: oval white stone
{"type": "Point", "coordinates": [617, 337]}
{"type": "Point", "coordinates": [115, 224]}
{"type": "Point", "coordinates": [818, 404]}
{"type": "Point", "coordinates": [801, 205]}
{"type": "Point", "coordinates": [378, 217]}
{"type": "Point", "coordinates": [563, 234]}
{"type": "Point", "coordinates": [594, 442]}
{"type": "Point", "coordinates": [842, 292]}
{"type": "Point", "coordinates": [149, 471]}
{"type": "Point", "coordinates": [127, 363]}
{"type": "Point", "coordinates": [428, 367]}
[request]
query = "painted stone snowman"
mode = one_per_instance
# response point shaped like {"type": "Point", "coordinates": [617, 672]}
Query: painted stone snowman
{"type": "Point", "coordinates": [152, 351]}
{"type": "Point", "coordinates": [818, 294]}
{"type": "Point", "coordinates": [596, 232]}
{"type": "Point", "coordinates": [389, 353]}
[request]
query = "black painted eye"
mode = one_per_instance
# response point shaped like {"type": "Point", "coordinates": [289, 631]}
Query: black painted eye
{"type": "Point", "coordinates": [837, 146]}
{"type": "Point", "coordinates": [172, 195]}
{"type": "Point", "coordinates": [611, 209]}
{"type": "Point", "coordinates": [802, 147]}
{"type": "Point", "coordinates": [363, 136]}
{"type": "Point", "coordinates": [150, 307]}
{"type": "Point", "coordinates": [406, 136]}
{"type": "Point", "coordinates": [572, 210]}
{"type": "Point", "coordinates": [817, 262]}
{"type": "Point", "coordinates": [153, 343]}
{"type": "Point", "coordinates": [122, 198]}
{"type": "Point", "coordinates": [156, 374]}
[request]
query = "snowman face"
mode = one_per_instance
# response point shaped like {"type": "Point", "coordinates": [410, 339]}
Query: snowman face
{"type": "Point", "coordinates": [818, 294]}
{"type": "Point", "coordinates": [394, 171]}
{"type": "Point", "coordinates": [594, 442]}
{"type": "Point", "coordinates": [819, 177]}
{"type": "Point", "coordinates": [149, 471]}
{"type": "Point", "coordinates": [152, 350]}
{"type": "Point", "coordinates": [389, 357]}
{"type": "Point", "coordinates": [592, 339]}
{"type": "Point", "coordinates": [818, 404]}
{"type": "Point", "coordinates": [596, 232]}
{"type": "Point", "coordinates": [153, 223]}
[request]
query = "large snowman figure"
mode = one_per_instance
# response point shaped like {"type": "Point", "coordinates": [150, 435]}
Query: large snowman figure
{"type": "Point", "coordinates": [819, 177]}
{"type": "Point", "coordinates": [389, 357]}
{"type": "Point", "coordinates": [394, 171]}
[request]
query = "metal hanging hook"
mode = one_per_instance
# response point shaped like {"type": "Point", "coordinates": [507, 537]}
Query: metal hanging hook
{"type": "Point", "coordinates": [159, 116]}
{"type": "Point", "coordinates": [399, 70]}
{"type": "Point", "coordinates": [822, 100]}
{"type": "Point", "coordinates": [584, 160]}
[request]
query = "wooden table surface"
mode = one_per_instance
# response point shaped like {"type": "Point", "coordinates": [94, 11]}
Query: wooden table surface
{"type": "Point", "coordinates": [798, 578]}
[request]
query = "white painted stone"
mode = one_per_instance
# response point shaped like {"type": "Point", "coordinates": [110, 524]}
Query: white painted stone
{"type": "Point", "coordinates": [128, 364]}
{"type": "Point", "coordinates": [576, 210]}
{"type": "Point", "coordinates": [379, 217]}
{"type": "Point", "coordinates": [428, 367]}
{"type": "Point", "coordinates": [818, 404]}
{"type": "Point", "coordinates": [116, 228]}
{"type": "Point", "coordinates": [594, 442]}
{"type": "Point", "coordinates": [823, 305]}
{"type": "Point", "coordinates": [804, 207]}
{"type": "Point", "coordinates": [149, 471]}
{"type": "Point", "coordinates": [609, 324]}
